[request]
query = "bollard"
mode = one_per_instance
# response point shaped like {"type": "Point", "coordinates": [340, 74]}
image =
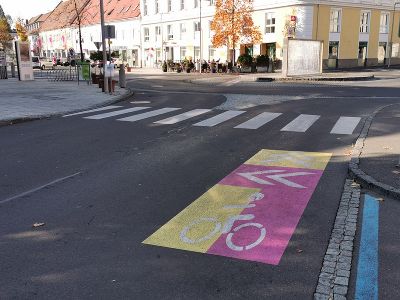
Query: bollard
{"type": "Point", "coordinates": [12, 70]}
{"type": "Point", "coordinates": [122, 76]}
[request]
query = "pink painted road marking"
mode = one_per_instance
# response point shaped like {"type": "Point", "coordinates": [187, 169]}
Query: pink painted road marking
{"type": "Point", "coordinates": [279, 213]}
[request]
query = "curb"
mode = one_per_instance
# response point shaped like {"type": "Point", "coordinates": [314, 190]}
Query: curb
{"type": "Point", "coordinates": [359, 175]}
{"type": "Point", "coordinates": [42, 117]}
{"type": "Point", "coordinates": [334, 277]}
{"type": "Point", "coordinates": [291, 79]}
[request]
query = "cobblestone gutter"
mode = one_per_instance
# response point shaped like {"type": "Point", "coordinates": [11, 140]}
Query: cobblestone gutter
{"type": "Point", "coordinates": [334, 277]}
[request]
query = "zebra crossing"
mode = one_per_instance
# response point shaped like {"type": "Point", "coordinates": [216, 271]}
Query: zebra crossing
{"type": "Point", "coordinates": [344, 125]}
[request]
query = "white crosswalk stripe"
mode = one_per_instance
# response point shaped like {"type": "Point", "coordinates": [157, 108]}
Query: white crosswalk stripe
{"type": "Point", "coordinates": [116, 113]}
{"type": "Point", "coordinates": [149, 114]}
{"type": "Point", "coordinates": [218, 119]}
{"type": "Point", "coordinates": [93, 110]}
{"type": "Point", "coordinates": [345, 125]}
{"type": "Point", "coordinates": [301, 124]}
{"type": "Point", "coordinates": [183, 117]}
{"type": "Point", "coordinates": [259, 120]}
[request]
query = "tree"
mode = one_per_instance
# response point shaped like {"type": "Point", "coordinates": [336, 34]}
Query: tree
{"type": "Point", "coordinates": [21, 30]}
{"type": "Point", "coordinates": [233, 24]}
{"type": "Point", "coordinates": [2, 14]}
{"type": "Point", "coordinates": [5, 36]}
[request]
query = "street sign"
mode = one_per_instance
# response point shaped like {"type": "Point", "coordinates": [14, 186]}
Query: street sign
{"type": "Point", "coordinates": [98, 45]}
{"type": "Point", "coordinates": [110, 32]}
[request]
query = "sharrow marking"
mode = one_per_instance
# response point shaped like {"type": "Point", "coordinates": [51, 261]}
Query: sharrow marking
{"type": "Point", "coordinates": [93, 110]}
{"type": "Point", "coordinates": [218, 119]}
{"type": "Point", "coordinates": [345, 125]}
{"type": "Point", "coordinates": [148, 114]}
{"type": "Point", "coordinates": [116, 113]}
{"type": "Point", "coordinates": [182, 117]}
{"type": "Point", "coordinates": [259, 120]}
{"type": "Point", "coordinates": [301, 123]}
{"type": "Point", "coordinates": [367, 267]}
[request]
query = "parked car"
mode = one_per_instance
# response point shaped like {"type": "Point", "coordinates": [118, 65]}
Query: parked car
{"type": "Point", "coordinates": [36, 62]}
{"type": "Point", "coordinates": [46, 63]}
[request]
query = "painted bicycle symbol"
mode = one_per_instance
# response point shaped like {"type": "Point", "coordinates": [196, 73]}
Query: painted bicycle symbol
{"type": "Point", "coordinates": [228, 227]}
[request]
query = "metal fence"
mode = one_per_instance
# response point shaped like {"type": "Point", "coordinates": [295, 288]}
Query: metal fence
{"type": "Point", "coordinates": [61, 74]}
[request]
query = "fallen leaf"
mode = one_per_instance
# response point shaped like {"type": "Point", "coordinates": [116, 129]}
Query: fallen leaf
{"type": "Point", "coordinates": [38, 225]}
{"type": "Point", "coordinates": [299, 251]}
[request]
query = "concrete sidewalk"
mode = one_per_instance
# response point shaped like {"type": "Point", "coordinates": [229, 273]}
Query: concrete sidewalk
{"type": "Point", "coordinates": [21, 100]}
{"type": "Point", "coordinates": [379, 158]}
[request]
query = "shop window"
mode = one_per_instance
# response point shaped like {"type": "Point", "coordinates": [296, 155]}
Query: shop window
{"type": "Point", "coordinates": [333, 50]}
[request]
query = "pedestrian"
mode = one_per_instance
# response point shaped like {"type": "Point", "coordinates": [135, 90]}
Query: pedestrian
{"type": "Point", "coordinates": [54, 60]}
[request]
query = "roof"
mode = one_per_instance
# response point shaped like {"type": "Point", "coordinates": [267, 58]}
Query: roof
{"type": "Point", "coordinates": [64, 14]}
{"type": "Point", "coordinates": [34, 19]}
{"type": "Point", "coordinates": [113, 10]}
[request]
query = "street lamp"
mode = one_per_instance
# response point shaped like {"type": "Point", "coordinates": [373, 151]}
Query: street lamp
{"type": "Point", "coordinates": [391, 34]}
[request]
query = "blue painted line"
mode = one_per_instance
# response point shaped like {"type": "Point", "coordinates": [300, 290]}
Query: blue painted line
{"type": "Point", "coordinates": [367, 269]}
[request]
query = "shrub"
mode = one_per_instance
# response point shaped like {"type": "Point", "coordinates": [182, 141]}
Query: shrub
{"type": "Point", "coordinates": [262, 60]}
{"type": "Point", "coordinates": [245, 60]}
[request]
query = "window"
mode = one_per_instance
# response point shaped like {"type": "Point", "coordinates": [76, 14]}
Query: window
{"type": "Point", "coordinates": [169, 5]}
{"type": "Point", "coordinates": [270, 23]}
{"type": "Point", "coordinates": [196, 26]}
{"type": "Point", "coordinates": [210, 32]}
{"type": "Point", "coordinates": [170, 32]}
{"type": "Point", "coordinates": [146, 34]}
{"type": "Point", "coordinates": [156, 6]}
{"type": "Point", "coordinates": [364, 22]}
{"type": "Point", "coordinates": [158, 32]}
{"type": "Point", "coordinates": [333, 50]}
{"type": "Point", "coordinates": [196, 3]}
{"type": "Point", "coordinates": [335, 21]}
{"type": "Point", "coordinates": [183, 53]}
{"type": "Point", "coordinates": [211, 53]}
{"type": "Point", "coordinates": [182, 4]}
{"type": "Point", "coordinates": [196, 53]}
{"type": "Point", "coordinates": [384, 25]}
{"type": "Point", "coordinates": [145, 7]}
{"type": "Point", "coordinates": [182, 30]}
{"type": "Point", "coordinates": [212, 2]}
{"type": "Point", "coordinates": [133, 34]}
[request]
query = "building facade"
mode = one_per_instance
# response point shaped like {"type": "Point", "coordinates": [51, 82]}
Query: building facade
{"type": "Point", "coordinates": [355, 33]}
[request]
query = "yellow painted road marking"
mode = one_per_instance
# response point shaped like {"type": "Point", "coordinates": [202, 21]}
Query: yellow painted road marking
{"type": "Point", "coordinates": [290, 159]}
{"type": "Point", "coordinates": [209, 206]}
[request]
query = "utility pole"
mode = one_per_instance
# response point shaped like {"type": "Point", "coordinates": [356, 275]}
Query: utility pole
{"type": "Point", "coordinates": [103, 41]}
{"type": "Point", "coordinates": [391, 34]}
{"type": "Point", "coordinates": [201, 41]}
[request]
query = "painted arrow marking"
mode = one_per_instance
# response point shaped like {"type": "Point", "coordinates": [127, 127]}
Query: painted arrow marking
{"type": "Point", "coordinates": [278, 177]}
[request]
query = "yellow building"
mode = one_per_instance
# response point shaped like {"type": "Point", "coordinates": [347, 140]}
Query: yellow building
{"type": "Point", "coordinates": [354, 33]}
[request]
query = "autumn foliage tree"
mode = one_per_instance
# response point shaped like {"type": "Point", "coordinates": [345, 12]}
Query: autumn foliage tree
{"type": "Point", "coordinates": [21, 30]}
{"type": "Point", "coordinates": [233, 24]}
{"type": "Point", "coordinates": [5, 36]}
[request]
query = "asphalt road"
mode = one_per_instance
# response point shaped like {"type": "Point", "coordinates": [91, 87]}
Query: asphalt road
{"type": "Point", "coordinates": [103, 186]}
